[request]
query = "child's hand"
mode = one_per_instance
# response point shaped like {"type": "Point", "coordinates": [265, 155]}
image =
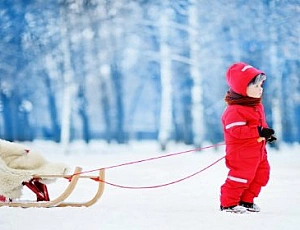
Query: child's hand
{"type": "Point", "coordinates": [271, 139]}
{"type": "Point", "coordinates": [266, 132]}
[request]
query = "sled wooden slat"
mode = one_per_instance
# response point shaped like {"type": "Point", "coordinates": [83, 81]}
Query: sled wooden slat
{"type": "Point", "coordinates": [63, 176]}
{"type": "Point", "coordinates": [96, 197]}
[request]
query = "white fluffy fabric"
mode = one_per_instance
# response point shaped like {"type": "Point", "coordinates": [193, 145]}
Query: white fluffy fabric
{"type": "Point", "coordinates": [18, 164]}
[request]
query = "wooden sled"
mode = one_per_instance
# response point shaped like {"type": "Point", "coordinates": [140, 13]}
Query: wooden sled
{"type": "Point", "coordinates": [60, 201]}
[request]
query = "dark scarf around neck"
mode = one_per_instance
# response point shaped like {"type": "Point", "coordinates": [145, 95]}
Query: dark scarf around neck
{"type": "Point", "coordinates": [233, 98]}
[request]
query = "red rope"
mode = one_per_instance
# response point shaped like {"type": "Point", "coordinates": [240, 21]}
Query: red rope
{"type": "Point", "coordinates": [156, 158]}
{"type": "Point", "coordinates": [166, 184]}
{"type": "Point", "coordinates": [152, 158]}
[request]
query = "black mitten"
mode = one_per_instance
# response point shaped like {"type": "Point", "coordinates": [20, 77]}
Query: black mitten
{"type": "Point", "coordinates": [271, 139]}
{"type": "Point", "coordinates": [265, 132]}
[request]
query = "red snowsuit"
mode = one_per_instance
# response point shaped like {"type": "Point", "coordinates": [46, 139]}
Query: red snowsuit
{"type": "Point", "coordinates": [246, 158]}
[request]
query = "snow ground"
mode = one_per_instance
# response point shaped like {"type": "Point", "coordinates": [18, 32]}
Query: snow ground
{"type": "Point", "coordinates": [188, 205]}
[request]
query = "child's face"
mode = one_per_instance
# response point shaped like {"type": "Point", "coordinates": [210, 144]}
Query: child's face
{"type": "Point", "coordinates": [255, 90]}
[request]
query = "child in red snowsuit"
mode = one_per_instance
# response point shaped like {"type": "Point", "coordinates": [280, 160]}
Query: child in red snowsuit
{"type": "Point", "coordinates": [246, 133]}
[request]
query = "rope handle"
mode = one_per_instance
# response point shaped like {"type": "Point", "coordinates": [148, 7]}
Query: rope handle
{"type": "Point", "coordinates": [260, 139]}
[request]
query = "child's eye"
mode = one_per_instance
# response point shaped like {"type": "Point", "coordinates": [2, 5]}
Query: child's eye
{"type": "Point", "coordinates": [259, 85]}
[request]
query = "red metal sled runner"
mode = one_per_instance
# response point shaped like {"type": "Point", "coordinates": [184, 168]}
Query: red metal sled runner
{"type": "Point", "coordinates": [43, 200]}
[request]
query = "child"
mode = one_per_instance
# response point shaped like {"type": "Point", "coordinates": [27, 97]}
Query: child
{"type": "Point", "coordinates": [246, 133]}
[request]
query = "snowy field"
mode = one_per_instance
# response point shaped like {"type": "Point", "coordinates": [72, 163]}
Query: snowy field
{"type": "Point", "coordinates": [187, 205]}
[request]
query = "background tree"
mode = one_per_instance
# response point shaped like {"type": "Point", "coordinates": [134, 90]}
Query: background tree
{"type": "Point", "coordinates": [134, 69]}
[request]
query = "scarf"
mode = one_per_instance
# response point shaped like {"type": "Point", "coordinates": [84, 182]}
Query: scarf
{"type": "Point", "coordinates": [233, 98]}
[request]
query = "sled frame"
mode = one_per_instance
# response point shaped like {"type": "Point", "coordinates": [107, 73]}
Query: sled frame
{"type": "Point", "coordinates": [60, 200]}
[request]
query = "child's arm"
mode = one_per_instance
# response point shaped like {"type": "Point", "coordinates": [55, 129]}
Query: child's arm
{"type": "Point", "coordinates": [239, 127]}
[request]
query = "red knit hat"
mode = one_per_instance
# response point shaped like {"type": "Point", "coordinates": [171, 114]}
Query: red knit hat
{"type": "Point", "coordinates": [239, 75]}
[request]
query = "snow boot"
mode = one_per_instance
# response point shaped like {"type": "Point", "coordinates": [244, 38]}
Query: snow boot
{"type": "Point", "coordinates": [251, 207]}
{"type": "Point", "coordinates": [234, 209]}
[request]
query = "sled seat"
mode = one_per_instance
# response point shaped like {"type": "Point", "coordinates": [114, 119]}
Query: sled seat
{"type": "Point", "coordinates": [41, 191]}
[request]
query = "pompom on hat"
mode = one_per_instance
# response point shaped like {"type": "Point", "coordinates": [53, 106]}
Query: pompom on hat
{"type": "Point", "coordinates": [239, 75]}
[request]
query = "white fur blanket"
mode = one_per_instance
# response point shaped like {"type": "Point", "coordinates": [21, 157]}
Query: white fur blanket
{"type": "Point", "coordinates": [18, 164]}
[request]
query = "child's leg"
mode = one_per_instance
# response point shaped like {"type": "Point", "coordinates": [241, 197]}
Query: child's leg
{"type": "Point", "coordinates": [261, 179]}
{"type": "Point", "coordinates": [231, 191]}
{"type": "Point", "coordinates": [241, 173]}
